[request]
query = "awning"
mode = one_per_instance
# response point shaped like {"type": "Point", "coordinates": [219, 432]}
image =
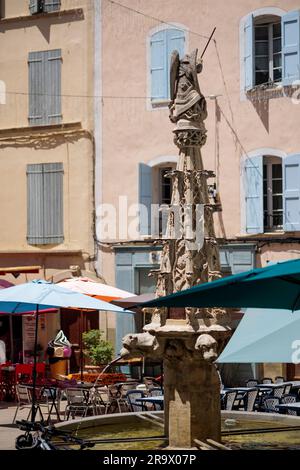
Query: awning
{"type": "Point", "coordinates": [265, 335]}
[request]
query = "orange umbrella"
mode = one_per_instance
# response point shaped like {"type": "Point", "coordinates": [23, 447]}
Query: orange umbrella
{"type": "Point", "coordinates": [87, 286]}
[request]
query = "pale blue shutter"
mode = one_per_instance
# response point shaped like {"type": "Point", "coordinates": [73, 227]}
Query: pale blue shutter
{"type": "Point", "coordinates": [291, 193]}
{"type": "Point", "coordinates": [175, 41]}
{"type": "Point", "coordinates": [45, 87]}
{"type": "Point", "coordinates": [249, 53]}
{"type": "Point", "coordinates": [35, 210]}
{"type": "Point", "coordinates": [51, 5]}
{"type": "Point", "coordinates": [36, 88]}
{"type": "Point", "coordinates": [53, 86]}
{"type": "Point", "coordinates": [34, 6]}
{"type": "Point", "coordinates": [45, 203]}
{"type": "Point", "coordinates": [159, 81]}
{"type": "Point", "coordinates": [253, 186]}
{"type": "Point", "coordinates": [145, 198]}
{"type": "Point", "coordinates": [290, 47]}
{"type": "Point", "coordinates": [53, 203]}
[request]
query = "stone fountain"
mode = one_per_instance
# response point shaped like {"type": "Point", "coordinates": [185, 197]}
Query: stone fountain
{"type": "Point", "coordinates": [188, 340]}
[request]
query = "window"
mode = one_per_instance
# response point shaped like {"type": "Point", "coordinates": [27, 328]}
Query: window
{"type": "Point", "coordinates": [271, 188]}
{"type": "Point", "coordinates": [43, 6]}
{"type": "Point", "coordinates": [155, 193]}
{"type": "Point", "coordinates": [271, 49]}
{"type": "Point", "coordinates": [272, 193]}
{"type": "Point", "coordinates": [268, 65]}
{"type": "Point", "coordinates": [45, 203]}
{"type": "Point", "coordinates": [45, 87]}
{"type": "Point", "coordinates": [162, 44]}
{"type": "Point", "coordinates": [165, 184]}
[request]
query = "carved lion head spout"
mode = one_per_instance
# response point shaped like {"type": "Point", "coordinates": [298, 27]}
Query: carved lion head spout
{"type": "Point", "coordinates": [140, 344]}
{"type": "Point", "coordinates": [208, 347]}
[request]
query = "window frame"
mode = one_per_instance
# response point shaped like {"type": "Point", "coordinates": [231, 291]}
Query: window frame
{"type": "Point", "coordinates": [270, 55]}
{"type": "Point", "coordinates": [266, 11]}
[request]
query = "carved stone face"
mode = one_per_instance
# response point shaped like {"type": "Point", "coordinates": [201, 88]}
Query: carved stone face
{"type": "Point", "coordinates": [138, 343]}
{"type": "Point", "coordinates": [207, 346]}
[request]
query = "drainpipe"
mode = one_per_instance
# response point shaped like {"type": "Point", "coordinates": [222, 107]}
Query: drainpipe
{"type": "Point", "coordinates": [98, 120]}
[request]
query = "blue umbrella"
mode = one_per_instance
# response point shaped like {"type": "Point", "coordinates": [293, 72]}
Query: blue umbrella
{"type": "Point", "coordinates": [275, 286]}
{"type": "Point", "coordinates": [265, 336]}
{"type": "Point", "coordinates": [42, 294]}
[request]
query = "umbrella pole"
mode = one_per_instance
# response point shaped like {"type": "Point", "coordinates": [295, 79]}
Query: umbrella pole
{"type": "Point", "coordinates": [81, 347]}
{"type": "Point", "coordinates": [33, 408]}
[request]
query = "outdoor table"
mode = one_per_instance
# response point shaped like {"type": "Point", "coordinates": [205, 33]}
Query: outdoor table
{"type": "Point", "coordinates": [52, 395]}
{"type": "Point", "coordinates": [272, 386]}
{"type": "Point", "coordinates": [158, 400]}
{"type": "Point", "coordinates": [289, 406]}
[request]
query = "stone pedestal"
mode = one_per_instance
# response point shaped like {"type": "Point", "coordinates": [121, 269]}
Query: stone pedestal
{"type": "Point", "coordinates": [192, 403]}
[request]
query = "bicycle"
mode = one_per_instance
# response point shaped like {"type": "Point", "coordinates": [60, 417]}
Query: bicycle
{"type": "Point", "coordinates": [39, 437]}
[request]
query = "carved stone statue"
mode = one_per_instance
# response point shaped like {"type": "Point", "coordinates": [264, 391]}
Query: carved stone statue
{"type": "Point", "coordinates": [187, 102]}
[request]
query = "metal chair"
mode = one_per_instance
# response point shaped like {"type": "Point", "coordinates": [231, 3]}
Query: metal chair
{"type": "Point", "coordinates": [132, 395]}
{"type": "Point", "coordinates": [287, 389]}
{"type": "Point", "coordinates": [250, 399]}
{"type": "Point", "coordinates": [289, 399]}
{"type": "Point", "coordinates": [270, 404]}
{"type": "Point", "coordinates": [116, 400]}
{"type": "Point", "coordinates": [267, 380]}
{"type": "Point", "coordinates": [251, 383]}
{"type": "Point", "coordinates": [278, 391]}
{"type": "Point", "coordinates": [24, 398]}
{"type": "Point", "coordinates": [279, 379]}
{"type": "Point", "coordinates": [228, 400]}
{"type": "Point", "coordinates": [78, 401]}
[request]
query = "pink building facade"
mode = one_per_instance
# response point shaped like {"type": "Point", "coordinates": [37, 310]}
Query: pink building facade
{"type": "Point", "coordinates": [250, 77]}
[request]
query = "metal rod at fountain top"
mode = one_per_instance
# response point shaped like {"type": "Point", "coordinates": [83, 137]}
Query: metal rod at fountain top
{"type": "Point", "coordinates": [207, 44]}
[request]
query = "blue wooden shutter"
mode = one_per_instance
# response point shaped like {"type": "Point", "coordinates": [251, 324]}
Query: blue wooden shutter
{"type": "Point", "coordinates": [290, 47]}
{"type": "Point", "coordinates": [124, 321]}
{"type": "Point", "coordinates": [253, 186]}
{"type": "Point", "coordinates": [45, 87]}
{"type": "Point", "coordinates": [34, 6]}
{"type": "Point", "coordinates": [159, 81]}
{"type": "Point", "coordinates": [51, 5]}
{"type": "Point", "coordinates": [45, 203]}
{"type": "Point", "coordinates": [249, 53]}
{"type": "Point", "coordinates": [36, 88]}
{"type": "Point", "coordinates": [53, 86]}
{"type": "Point", "coordinates": [291, 193]}
{"type": "Point", "coordinates": [53, 203]}
{"type": "Point", "coordinates": [175, 41]}
{"type": "Point", "coordinates": [35, 213]}
{"type": "Point", "coordinates": [145, 198]}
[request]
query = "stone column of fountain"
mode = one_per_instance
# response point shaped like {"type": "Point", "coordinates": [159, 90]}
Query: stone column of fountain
{"type": "Point", "coordinates": [187, 340]}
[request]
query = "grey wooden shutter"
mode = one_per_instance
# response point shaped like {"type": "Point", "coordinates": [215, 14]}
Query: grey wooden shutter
{"type": "Point", "coordinates": [145, 198]}
{"type": "Point", "coordinates": [36, 88]}
{"type": "Point", "coordinates": [45, 203]}
{"type": "Point", "coordinates": [34, 6]}
{"type": "Point", "coordinates": [51, 5]}
{"type": "Point", "coordinates": [53, 203]}
{"type": "Point", "coordinates": [45, 87]}
{"type": "Point", "coordinates": [53, 86]}
{"type": "Point", "coordinates": [35, 225]}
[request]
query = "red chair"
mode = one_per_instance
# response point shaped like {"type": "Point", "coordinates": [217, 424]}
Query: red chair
{"type": "Point", "coordinates": [40, 372]}
{"type": "Point", "coordinates": [24, 373]}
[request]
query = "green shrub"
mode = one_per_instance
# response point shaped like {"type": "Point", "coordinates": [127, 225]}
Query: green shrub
{"type": "Point", "coordinates": [97, 349]}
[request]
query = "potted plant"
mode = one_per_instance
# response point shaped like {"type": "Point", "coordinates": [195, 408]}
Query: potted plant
{"type": "Point", "coordinates": [97, 350]}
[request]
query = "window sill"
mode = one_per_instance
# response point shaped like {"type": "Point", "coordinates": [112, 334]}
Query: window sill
{"type": "Point", "coordinates": [266, 235]}
{"type": "Point", "coordinates": [156, 104]}
{"type": "Point", "coordinates": [78, 12]}
{"type": "Point", "coordinates": [50, 128]}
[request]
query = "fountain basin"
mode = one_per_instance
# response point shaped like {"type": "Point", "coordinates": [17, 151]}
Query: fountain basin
{"type": "Point", "coordinates": [145, 431]}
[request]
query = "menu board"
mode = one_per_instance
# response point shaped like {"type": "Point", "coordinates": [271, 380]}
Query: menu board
{"type": "Point", "coordinates": [29, 336]}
